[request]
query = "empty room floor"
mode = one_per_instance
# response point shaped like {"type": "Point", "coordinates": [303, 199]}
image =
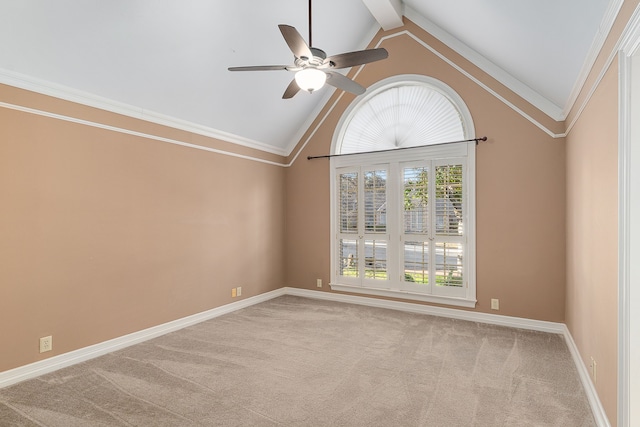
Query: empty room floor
{"type": "Point", "coordinates": [295, 361]}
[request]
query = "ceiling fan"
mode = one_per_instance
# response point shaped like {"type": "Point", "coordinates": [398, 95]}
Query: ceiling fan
{"type": "Point", "coordinates": [312, 66]}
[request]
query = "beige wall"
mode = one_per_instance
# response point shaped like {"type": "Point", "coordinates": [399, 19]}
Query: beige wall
{"type": "Point", "coordinates": [520, 191]}
{"type": "Point", "coordinates": [103, 234]}
{"type": "Point", "coordinates": [592, 213]}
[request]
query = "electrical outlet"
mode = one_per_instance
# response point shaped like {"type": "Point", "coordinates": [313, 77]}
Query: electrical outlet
{"type": "Point", "coordinates": [319, 283]}
{"type": "Point", "coordinates": [239, 291]}
{"type": "Point", "coordinates": [495, 304]}
{"type": "Point", "coordinates": [233, 293]}
{"type": "Point", "coordinates": [46, 344]}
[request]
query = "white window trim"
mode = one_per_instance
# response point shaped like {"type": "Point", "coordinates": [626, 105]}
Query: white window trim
{"type": "Point", "coordinates": [466, 149]}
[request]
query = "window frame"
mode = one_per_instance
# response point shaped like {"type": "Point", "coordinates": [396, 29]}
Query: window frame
{"type": "Point", "coordinates": [393, 162]}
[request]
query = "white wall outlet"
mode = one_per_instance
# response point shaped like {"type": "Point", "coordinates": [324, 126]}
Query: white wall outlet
{"type": "Point", "coordinates": [239, 291]}
{"type": "Point", "coordinates": [319, 283]}
{"type": "Point", "coordinates": [495, 304]}
{"type": "Point", "coordinates": [46, 344]}
{"type": "Point", "coordinates": [233, 292]}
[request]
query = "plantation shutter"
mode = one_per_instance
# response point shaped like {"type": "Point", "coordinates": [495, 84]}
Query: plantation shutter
{"type": "Point", "coordinates": [362, 237]}
{"type": "Point", "coordinates": [348, 224]}
{"type": "Point", "coordinates": [374, 185]}
{"type": "Point", "coordinates": [416, 249]}
{"type": "Point", "coordinates": [433, 229]}
{"type": "Point", "coordinates": [403, 195]}
{"type": "Point", "coordinates": [449, 228]}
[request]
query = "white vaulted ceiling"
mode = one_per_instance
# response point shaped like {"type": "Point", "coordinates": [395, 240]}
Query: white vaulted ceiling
{"type": "Point", "coordinates": [168, 59]}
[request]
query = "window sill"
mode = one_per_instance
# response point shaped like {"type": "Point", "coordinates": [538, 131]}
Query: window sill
{"type": "Point", "coordinates": [396, 293]}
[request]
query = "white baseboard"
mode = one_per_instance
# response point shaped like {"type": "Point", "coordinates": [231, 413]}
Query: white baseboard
{"type": "Point", "coordinates": [494, 319]}
{"type": "Point", "coordinates": [42, 367]}
{"type": "Point", "coordinates": [472, 316]}
{"type": "Point", "coordinates": [589, 388]}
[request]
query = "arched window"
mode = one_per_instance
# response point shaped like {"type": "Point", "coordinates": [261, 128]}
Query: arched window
{"type": "Point", "coordinates": [403, 220]}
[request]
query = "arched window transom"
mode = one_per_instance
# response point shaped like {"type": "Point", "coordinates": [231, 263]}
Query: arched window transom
{"type": "Point", "coordinates": [402, 116]}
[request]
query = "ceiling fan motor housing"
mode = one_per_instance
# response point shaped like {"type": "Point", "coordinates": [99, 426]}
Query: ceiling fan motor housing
{"type": "Point", "coordinates": [313, 68]}
{"type": "Point", "coordinates": [317, 60]}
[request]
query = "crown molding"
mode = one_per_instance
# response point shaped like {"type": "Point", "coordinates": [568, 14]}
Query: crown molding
{"type": "Point", "coordinates": [475, 80]}
{"type": "Point", "coordinates": [66, 93]}
{"type": "Point", "coordinates": [134, 133]}
{"type": "Point", "coordinates": [628, 40]}
{"type": "Point", "coordinates": [613, 8]}
{"type": "Point", "coordinates": [445, 59]}
{"type": "Point", "coordinates": [524, 91]}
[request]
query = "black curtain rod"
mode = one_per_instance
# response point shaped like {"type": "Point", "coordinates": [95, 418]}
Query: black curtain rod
{"type": "Point", "coordinates": [327, 156]}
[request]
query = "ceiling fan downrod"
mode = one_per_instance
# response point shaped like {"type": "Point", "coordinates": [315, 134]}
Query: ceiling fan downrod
{"type": "Point", "coordinates": [310, 44]}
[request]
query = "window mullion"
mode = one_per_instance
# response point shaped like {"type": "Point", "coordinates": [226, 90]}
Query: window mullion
{"type": "Point", "coordinates": [361, 208]}
{"type": "Point", "coordinates": [392, 223]}
{"type": "Point", "coordinates": [432, 226]}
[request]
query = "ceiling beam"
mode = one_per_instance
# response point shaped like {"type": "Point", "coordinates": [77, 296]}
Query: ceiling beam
{"type": "Point", "coordinates": [388, 13]}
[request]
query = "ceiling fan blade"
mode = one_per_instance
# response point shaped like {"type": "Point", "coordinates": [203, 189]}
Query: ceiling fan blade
{"type": "Point", "coordinates": [344, 83]}
{"type": "Point", "coordinates": [291, 90]}
{"type": "Point", "coordinates": [295, 41]}
{"type": "Point", "coordinates": [345, 60]}
{"type": "Point", "coordinates": [259, 68]}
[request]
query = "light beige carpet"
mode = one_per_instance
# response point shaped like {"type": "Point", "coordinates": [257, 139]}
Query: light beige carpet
{"type": "Point", "coordinates": [301, 362]}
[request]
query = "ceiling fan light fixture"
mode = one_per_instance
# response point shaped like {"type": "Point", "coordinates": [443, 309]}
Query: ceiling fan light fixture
{"type": "Point", "coordinates": [310, 79]}
{"type": "Point", "coordinates": [313, 68]}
